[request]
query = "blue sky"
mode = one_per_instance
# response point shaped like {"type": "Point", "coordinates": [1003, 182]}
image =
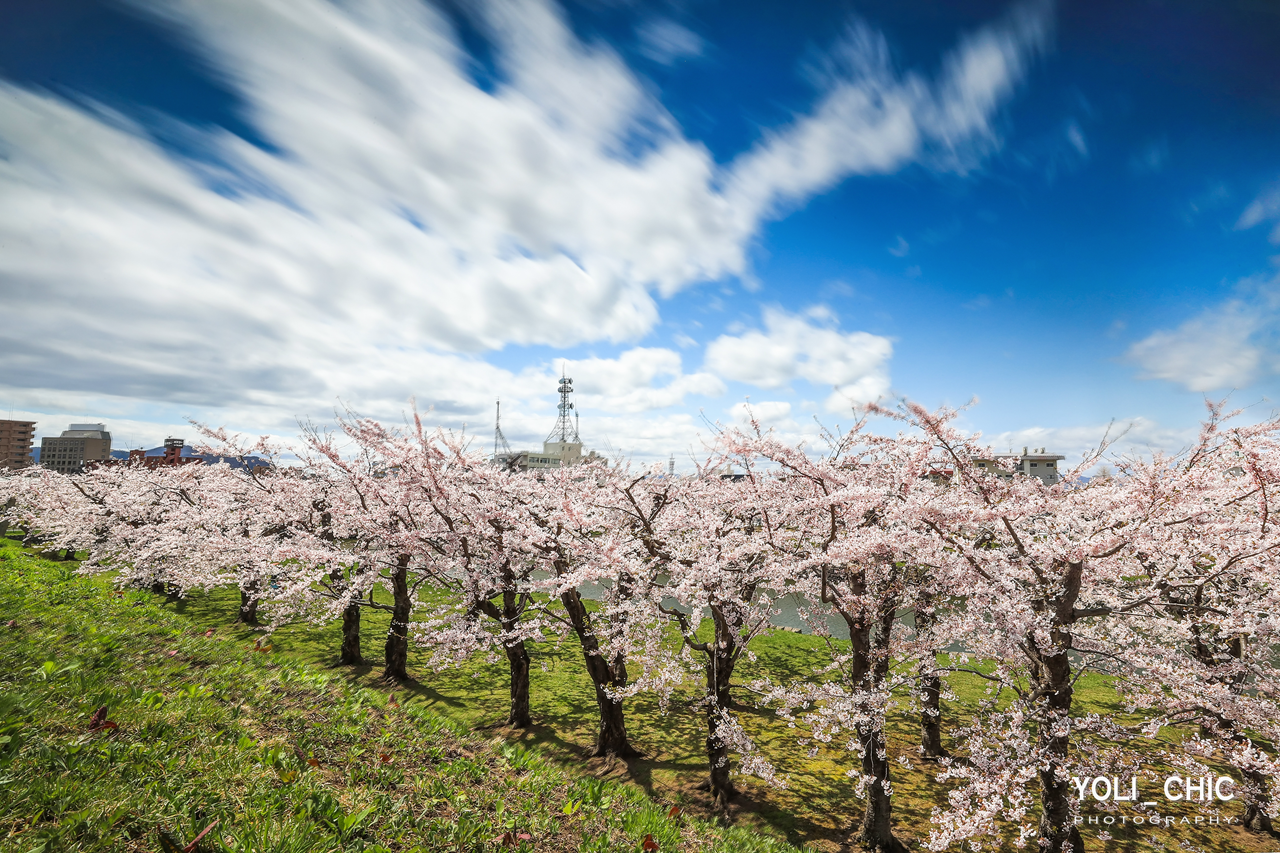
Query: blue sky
{"type": "Point", "coordinates": [249, 215]}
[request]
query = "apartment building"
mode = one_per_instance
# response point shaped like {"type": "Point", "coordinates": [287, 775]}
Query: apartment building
{"type": "Point", "coordinates": [1036, 463]}
{"type": "Point", "coordinates": [16, 438]}
{"type": "Point", "coordinates": [78, 445]}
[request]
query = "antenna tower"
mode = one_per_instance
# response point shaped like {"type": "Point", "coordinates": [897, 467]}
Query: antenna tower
{"type": "Point", "coordinates": [565, 430]}
{"type": "Point", "coordinates": [500, 445]}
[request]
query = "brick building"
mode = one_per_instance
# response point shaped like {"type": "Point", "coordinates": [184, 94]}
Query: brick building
{"type": "Point", "coordinates": [16, 438]}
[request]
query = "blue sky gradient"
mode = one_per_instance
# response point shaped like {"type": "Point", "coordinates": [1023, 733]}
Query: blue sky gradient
{"type": "Point", "coordinates": [1071, 212]}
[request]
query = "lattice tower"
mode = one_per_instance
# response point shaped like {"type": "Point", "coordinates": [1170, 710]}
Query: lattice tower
{"type": "Point", "coordinates": [566, 429]}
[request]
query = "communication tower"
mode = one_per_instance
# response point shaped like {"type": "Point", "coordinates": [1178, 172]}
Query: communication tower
{"type": "Point", "coordinates": [500, 445]}
{"type": "Point", "coordinates": [566, 429]}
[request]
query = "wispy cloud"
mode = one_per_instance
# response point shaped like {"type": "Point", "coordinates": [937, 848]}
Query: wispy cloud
{"type": "Point", "coordinates": [1230, 345]}
{"type": "Point", "coordinates": [1075, 136]}
{"type": "Point", "coordinates": [665, 41]}
{"type": "Point", "coordinates": [1264, 208]}
{"type": "Point", "coordinates": [874, 119]}
{"type": "Point", "coordinates": [1151, 158]}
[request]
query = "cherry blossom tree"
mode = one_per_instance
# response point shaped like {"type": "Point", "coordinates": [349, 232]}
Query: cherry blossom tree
{"type": "Point", "coordinates": [700, 545]}
{"type": "Point", "coordinates": [580, 546]}
{"type": "Point", "coordinates": [1061, 579]}
{"type": "Point", "coordinates": [851, 517]}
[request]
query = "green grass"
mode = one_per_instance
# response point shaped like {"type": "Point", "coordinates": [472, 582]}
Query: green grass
{"type": "Point", "coordinates": [282, 755]}
{"type": "Point", "coordinates": [296, 697]}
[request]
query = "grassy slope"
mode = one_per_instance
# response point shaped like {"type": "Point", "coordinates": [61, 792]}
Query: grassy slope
{"type": "Point", "coordinates": [285, 757]}
{"type": "Point", "coordinates": [816, 809]}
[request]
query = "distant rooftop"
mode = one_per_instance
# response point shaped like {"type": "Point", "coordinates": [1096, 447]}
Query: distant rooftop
{"type": "Point", "coordinates": [88, 427]}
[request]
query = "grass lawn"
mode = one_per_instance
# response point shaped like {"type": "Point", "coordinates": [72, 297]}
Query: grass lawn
{"type": "Point", "coordinates": [462, 706]}
{"type": "Point", "coordinates": [276, 755]}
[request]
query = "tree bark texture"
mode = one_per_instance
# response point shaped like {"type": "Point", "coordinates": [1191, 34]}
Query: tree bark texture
{"type": "Point", "coordinates": [1050, 669]}
{"type": "Point", "coordinates": [722, 655]}
{"type": "Point", "coordinates": [930, 686]}
{"type": "Point", "coordinates": [397, 647]}
{"type": "Point", "coordinates": [509, 616]}
{"type": "Point", "coordinates": [248, 604]}
{"type": "Point", "coordinates": [1256, 818]}
{"type": "Point", "coordinates": [869, 636]}
{"type": "Point", "coordinates": [611, 739]}
{"type": "Point", "coordinates": [518, 661]}
{"type": "Point", "coordinates": [1212, 652]}
{"type": "Point", "coordinates": [350, 653]}
{"type": "Point", "coordinates": [931, 715]}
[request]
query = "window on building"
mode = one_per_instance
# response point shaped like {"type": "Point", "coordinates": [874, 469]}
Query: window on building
{"type": "Point", "coordinates": [1035, 464]}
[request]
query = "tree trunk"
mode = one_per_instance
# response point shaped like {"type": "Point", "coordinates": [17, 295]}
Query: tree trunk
{"type": "Point", "coordinates": [721, 783]}
{"type": "Point", "coordinates": [1050, 671]}
{"type": "Point", "coordinates": [350, 653]}
{"type": "Point", "coordinates": [870, 632]}
{"type": "Point", "coordinates": [509, 616]}
{"type": "Point", "coordinates": [611, 739]}
{"type": "Point", "coordinates": [397, 648]}
{"type": "Point", "coordinates": [721, 658]}
{"type": "Point", "coordinates": [248, 604]}
{"type": "Point", "coordinates": [4, 522]}
{"type": "Point", "coordinates": [869, 641]}
{"type": "Point", "coordinates": [931, 715]}
{"type": "Point", "coordinates": [518, 658]}
{"type": "Point", "coordinates": [1051, 676]}
{"type": "Point", "coordinates": [930, 689]}
{"type": "Point", "coordinates": [1256, 818]}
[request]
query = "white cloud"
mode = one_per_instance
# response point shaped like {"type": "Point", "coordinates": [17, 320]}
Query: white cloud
{"type": "Point", "coordinates": [769, 413]}
{"type": "Point", "coordinates": [626, 383]}
{"type": "Point", "coordinates": [1137, 435]}
{"type": "Point", "coordinates": [665, 41]}
{"type": "Point", "coordinates": [900, 249]}
{"type": "Point", "coordinates": [1263, 208]}
{"type": "Point", "coordinates": [873, 119]}
{"type": "Point", "coordinates": [1230, 345]}
{"type": "Point", "coordinates": [406, 220]}
{"type": "Point", "coordinates": [855, 363]}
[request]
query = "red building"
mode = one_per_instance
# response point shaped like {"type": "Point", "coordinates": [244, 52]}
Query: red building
{"type": "Point", "coordinates": [16, 439]}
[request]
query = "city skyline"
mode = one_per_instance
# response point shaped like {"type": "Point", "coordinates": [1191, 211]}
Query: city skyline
{"type": "Point", "coordinates": [251, 215]}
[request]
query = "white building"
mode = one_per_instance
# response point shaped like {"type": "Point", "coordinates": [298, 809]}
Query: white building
{"type": "Point", "coordinates": [1033, 464]}
{"type": "Point", "coordinates": [78, 445]}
